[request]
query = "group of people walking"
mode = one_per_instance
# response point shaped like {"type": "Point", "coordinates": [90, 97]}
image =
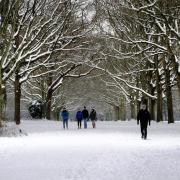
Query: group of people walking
{"type": "Point", "coordinates": [80, 116]}
{"type": "Point", "coordinates": [143, 117]}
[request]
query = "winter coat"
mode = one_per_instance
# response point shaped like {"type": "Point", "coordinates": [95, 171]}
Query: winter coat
{"type": "Point", "coordinates": [144, 117]}
{"type": "Point", "coordinates": [79, 115]}
{"type": "Point", "coordinates": [65, 115]}
{"type": "Point", "coordinates": [93, 115]}
{"type": "Point", "coordinates": [85, 113]}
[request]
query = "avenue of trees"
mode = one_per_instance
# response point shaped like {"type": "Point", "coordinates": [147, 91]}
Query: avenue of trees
{"type": "Point", "coordinates": [142, 40]}
{"type": "Point", "coordinates": [126, 50]}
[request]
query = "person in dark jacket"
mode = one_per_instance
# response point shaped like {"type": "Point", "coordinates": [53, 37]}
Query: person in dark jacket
{"type": "Point", "coordinates": [93, 117]}
{"type": "Point", "coordinates": [79, 117]}
{"type": "Point", "coordinates": [144, 118]}
{"type": "Point", "coordinates": [85, 116]}
{"type": "Point", "coordinates": [65, 117]}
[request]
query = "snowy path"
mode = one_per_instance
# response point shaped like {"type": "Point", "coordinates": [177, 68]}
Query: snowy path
{"type": "Point", "coordinates": [113, 151]}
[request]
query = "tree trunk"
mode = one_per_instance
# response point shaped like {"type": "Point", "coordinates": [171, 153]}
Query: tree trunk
{"type": "Point", "coordinates": [159, 110]}
{"type": "Point", "coordinates": [117, 112]}
{"type": "Point", "coordinates": [169, 96]}
{"type": "Point", "coordinates": [122, 110]}
{"type": "Point", "coordinates": [2, 99]}
{"type": "Point", "coordinates": [133, 114]}
{"type": "Point", "coordinates": [152, 108]}
{"type": "Point", "coordinates": [178, 82]}
{"type": "Point", "coordinates": [49, 97]}
{"type": "Point", "coordinates": [175, 67]}
{"type": "Point", "coordinates": [152, 102]}
{"type": "Point", "coordinates": [138, 105]}
{"type": "Point", "coordinates": [17, 93]}
{"type": "Point", "coordinates": [48, 104]}
{"type": "Point", "coordinates": [138, 102]}
{"type": "Point", "coordinates": [1, 105]}
{"type": "Point", "coordinates": [151, 89]}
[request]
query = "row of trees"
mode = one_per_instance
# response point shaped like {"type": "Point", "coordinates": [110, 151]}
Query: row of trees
{"type": "Point", "coordinates": [39, 40]}
{"type": "Point", "coordinates": [141, 50]}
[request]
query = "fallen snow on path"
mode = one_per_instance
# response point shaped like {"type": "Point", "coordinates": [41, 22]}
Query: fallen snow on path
{"type": "Point", "coordinates": [112, 151]}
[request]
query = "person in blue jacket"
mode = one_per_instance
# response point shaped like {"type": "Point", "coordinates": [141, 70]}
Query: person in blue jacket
{"type": "Point", "coordinates": [65, 117]}
{"type": "Point", "coordinates": [79, 117]}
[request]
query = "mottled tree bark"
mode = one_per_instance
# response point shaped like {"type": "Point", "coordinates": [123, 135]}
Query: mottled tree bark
{"type": "Point", "coordinates": [169, 97]}
{"type": "Point", "coordinates": [48, 104]}
{"type": "Point", "coordinates": [117, 112]}
{"type": "Point", "coordinates": [133, 111]}
{"type": "Point", "coordinates": [49, 98]}
{"type": "Point", "coordinates": [122, 109]}
{"type": "Point", "coordinates": [17, 93]}
{"type": "Point", "coordinates": [1, 104]}
{"type": "Point", "coordinates": [152, 108]}
{"type": "Point", "coordinates": [159, 111]}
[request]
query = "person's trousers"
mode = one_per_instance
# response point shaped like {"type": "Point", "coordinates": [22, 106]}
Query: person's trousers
{"type": "Point", "coordinates": [144, 130]}
{"type": "Point", "coordinates": [79, 123]}
{"type": "Point", "coordinates": [93, 124]}
{"type": "Point", "coordinates": [65, 124]}
{"type": "Point", "coordinates": [85, 123]}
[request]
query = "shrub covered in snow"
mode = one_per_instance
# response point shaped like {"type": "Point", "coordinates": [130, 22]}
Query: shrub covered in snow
{"type": "Point", "coordinates": [35, 109]}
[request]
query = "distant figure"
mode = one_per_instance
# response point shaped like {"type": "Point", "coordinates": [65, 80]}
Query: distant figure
{"type": "Point", "coordinates": [93, 117]}
{"type": "Point", "coordinates": [65, 117]}
{"type": "Point", "coordinates": [79, 117]}
{"type": "Point", "coordinates": [85, 116]}
{"type": "Point", "coordinates": [144, 118]}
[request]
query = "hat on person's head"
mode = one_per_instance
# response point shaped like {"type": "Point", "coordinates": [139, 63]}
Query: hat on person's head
{"type": "Point", "coordinates": [84, 107]}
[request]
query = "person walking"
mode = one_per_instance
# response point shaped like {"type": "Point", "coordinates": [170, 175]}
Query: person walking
{"type": "Point", "coordinates": [65, 117]}
{"type": "Point", "coordinates": [79, 117]}
{"type": "Point", "coordinates": [144, 118]}
{"type": "Point", "coordinates": [85, 116]}
{"type": "Point", "coordinates": [93, 117]}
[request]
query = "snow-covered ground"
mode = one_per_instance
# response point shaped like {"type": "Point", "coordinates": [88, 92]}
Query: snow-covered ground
{"type": "Point", "coordinates": [112, 151]}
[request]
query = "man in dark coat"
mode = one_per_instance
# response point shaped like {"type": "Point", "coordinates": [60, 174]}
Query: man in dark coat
{"type": "Point", "coordinates": [93, 117]}
{"type": "Point", "coordinates": [85, 116]}
{"type": "Point", "coordinates": [144, 118]}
